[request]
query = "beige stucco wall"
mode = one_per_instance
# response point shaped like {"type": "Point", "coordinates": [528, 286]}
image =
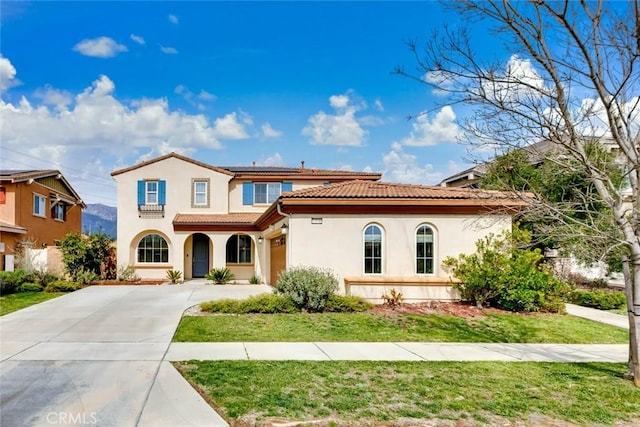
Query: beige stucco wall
{"type": "Point", "coordinates": [337, 244]}
{"type": "Point", "coordinates": [178, 174]}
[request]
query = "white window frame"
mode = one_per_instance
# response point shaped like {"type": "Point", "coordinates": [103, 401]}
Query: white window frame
{"type": "Point", "coordinates": [433, 250]}
{"type": "Point", "coordinates": [36, 205]}
{"type": "Point", "coordinates": [267, 185]}
{"type": "Point", "coordinates": [195, 193]}
{"type": "Point", "coordinates": [364, 250]}
{"type": "Point", "coordinates": [148, 192]}
{"type": "Point", "coordinates": [58, 212]}
{"type": "Point", "coordinates": [155, 250]}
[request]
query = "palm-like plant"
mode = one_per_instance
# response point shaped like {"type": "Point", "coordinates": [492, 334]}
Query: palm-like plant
{"type": "Point", "coordinates": [220, 276]}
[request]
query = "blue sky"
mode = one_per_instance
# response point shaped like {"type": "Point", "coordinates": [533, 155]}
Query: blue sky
{"type": "Point", "coordinates": [90, 87]}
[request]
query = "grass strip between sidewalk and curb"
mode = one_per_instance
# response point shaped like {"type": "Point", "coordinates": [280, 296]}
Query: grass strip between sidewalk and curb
{"type": "Point", "coordinates": [14, 302]}
{"type": "Point", "coordinates": [304, 327]}
{"type": "Point", "coordinates": [371, 393]}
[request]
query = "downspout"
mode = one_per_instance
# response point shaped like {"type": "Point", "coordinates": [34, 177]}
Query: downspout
{"type": "Point", "coordinates": [280, 212]}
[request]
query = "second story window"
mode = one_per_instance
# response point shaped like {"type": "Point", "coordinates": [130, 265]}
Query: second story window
{"type": "Point", "coordinates": [267, 192]}
{"type": "Point", "coordinates": [151, 193]}
{"type": "Point", "coordinates": [59, 211]}
{"type": "Point", "coordinates": [39, 203]}
{"type": "Point", "coordinates": [200, 193]}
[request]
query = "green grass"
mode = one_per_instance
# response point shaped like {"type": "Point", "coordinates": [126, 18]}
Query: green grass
{"type": "Point", "coordinates": [621, 311]}
{"type": "Point", "coordinates": [369, 393]}
{"type": "Point", "coordinates": [503, 328]}
{"type": "Point", "coordinates": [14, 302]}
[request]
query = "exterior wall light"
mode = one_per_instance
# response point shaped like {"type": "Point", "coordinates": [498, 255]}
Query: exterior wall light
{"type": "Point", "coordinates": [284, 229]}
{"type": "Point", "coordinates": [260, 240]}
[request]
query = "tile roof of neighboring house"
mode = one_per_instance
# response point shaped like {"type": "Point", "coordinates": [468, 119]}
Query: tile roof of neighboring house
{"type": "Point", "coordinates": [15, 176]}
{"type": "Point", "coordinates": [267, 172]}
{"type": "Point", "coordinates": [359, 189]}
{"type": "Point", "coordinates": [232, 218]}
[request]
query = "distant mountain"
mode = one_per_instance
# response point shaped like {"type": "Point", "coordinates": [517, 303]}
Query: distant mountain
{"type": "Point", "coordinates": [98, 217]}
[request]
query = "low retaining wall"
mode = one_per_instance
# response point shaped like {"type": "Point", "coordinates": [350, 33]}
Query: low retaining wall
{"type": "Point", "coordinates": [413, 289]}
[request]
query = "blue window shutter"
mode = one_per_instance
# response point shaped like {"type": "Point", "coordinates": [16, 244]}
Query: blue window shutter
{"type": "Point", "coordinates": [247, 193]}
{"type": "Point", "coordinates": [140, 192]}
{"type": "Point", "coordinates": [162, 192]}
{"type": "Point", "coordinates": [287, 186]}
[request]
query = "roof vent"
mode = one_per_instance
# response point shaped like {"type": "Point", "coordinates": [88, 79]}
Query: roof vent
{"type": "Point", "coordinates": [302, 165]}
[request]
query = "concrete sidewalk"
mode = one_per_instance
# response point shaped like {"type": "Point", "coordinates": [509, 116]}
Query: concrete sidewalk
{"type": "Point", "coordinates": [598, 315]}
{"type": "Point", "coordinates": [398, 351]}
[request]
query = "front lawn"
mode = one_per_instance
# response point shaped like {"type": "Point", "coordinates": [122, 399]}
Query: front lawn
{"type": "Point", "coordinates": [303, 327]}
{"type": "Point", "coordinates": [392, 393]}
{"type": "Point", "coordinates": [14, 302]}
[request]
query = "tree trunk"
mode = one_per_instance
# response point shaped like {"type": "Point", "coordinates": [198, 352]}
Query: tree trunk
{"type": "Point", "coordinates": [631, 277]}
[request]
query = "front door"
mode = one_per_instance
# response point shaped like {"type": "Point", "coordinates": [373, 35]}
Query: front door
{"type": "Point", "coordinates": [200, 255]}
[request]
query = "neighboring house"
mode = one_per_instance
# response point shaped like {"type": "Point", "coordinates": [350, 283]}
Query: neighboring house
{"type": "Point", "coordinates": [37, 207]}
{"type": "Point", "coordinates": [178, 213]}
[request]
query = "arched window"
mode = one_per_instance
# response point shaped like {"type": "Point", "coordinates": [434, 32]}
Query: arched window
{"type": "Point", "coordinates": [153, 248]}
{"type": "Point", "coordinates": [373, 250]}
{"type": "Point", "coordinates": [424, 250]}
{"type": "Point", "coordinates": [239, 249]}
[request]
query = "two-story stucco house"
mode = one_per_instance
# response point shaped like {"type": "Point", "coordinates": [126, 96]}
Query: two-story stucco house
{"type": "Point", "coordinates": [178, 213]}
{"type": "Point", "coordinates": [36, 206]}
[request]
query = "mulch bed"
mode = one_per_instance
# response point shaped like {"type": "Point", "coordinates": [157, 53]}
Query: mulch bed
{"type": "Point", "coordinates": [460, 309]}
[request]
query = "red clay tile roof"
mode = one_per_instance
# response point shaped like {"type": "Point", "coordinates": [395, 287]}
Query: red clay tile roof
{"type": "Point", "coordinates": [232, 218]}
{"type": "Point", "coordinates": [267, 172]}
{"type": "Point", "coordinates": [167, 156]}
{"type": "Point", "coordinates": [359, 189]}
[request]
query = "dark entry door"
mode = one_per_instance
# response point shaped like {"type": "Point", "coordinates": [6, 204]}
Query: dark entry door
{"type": "Point", "coordinates": [200, 255]}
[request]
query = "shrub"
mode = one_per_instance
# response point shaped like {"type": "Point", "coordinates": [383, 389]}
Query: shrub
{"type": "Point", "coordinates": [347, 304]}
{"type": "Point", "coordinates": [44, 277]}
{"type": "Point", "coordinates": [220, 276]}
{"type": "Point", "coordinates": [504, 275]}
{"type": "Point", "coordinates": [127, 273]}
{"type": "Point", "coordinates": [86, 253]}
{"type": "Point", "coordinates": [264, 303]}
{"type": "Point", "coordinates": [174, 275]}
{"type": "Point", "coordinates": [308, 287]}
{"type": "Point", "coordinates": [255, 280]}
{"type": "Point", "coordinates": [62, 286]}
{"type": "Point", "coordinates": [30, 287]}
{"type": "Point", "coordinates": [597, 298]}
{"type": "Point", "coordinates": [85, 277]}
{"type": "Point", "coordinates": [393, 299]}
{"type": "Point", "coordinates": [11, 280]}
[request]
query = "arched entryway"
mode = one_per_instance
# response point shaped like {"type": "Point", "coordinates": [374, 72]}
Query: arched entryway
{"type": "Point", "coordinates": [200, 258]}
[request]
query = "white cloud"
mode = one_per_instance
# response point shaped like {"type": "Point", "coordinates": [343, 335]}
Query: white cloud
{"type": "Point", "coordinates": [427, 132]}
{"type": "Point", "coordinates": [137, 39]}
{"type": "Point", "coordinates": [339, 101]}
{"type": "Point", "coordinates": [97, 120]}
{"type": "Point", "coordinates": [378, 105]}
{"type": "Point", "coordinates": [7, 74]}
{"type": "Point", "coordinates": [101, 47]}
{"type": "Point", "coordinates": [342, 129]}
{"type": "Point", "coordinates": [403, 167]}
{"type": "Point", "coordinates": [55, 97]}
{"type": "Point", "coordinates": [168, 50]}
{"type": "Point", "coordinates": [206, 96]}
{"type": "Point", "coordinates": [173, 19]}
{"type": "Point", "coordinates": [270, 132]}
{"type": "Point", "coordinates": [275, 160]}
{"type": "Point", "coordinates": [228, 127]}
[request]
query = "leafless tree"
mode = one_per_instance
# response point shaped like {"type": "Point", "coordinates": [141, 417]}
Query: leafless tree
{"type": "Point", "coordinates": [573, 77]}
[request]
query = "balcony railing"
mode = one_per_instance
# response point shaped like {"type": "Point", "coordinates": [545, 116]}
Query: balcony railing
{"type": "Point", "coordinates": [150, 211]}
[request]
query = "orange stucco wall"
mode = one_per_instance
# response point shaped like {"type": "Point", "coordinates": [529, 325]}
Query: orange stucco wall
{"type": "Point", "coordinates": [42, 231]}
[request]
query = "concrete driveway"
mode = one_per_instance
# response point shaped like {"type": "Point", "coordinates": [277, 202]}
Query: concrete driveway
{"type": "Point", "coordinates": [97, 357]}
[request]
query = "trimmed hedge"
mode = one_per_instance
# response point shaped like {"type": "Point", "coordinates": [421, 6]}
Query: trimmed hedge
{"type": "Point", "coordinates": [597, 298]}
{"type": "Point", "coordinates": [264, 303]}
{"type": "Point", "coordinates": [30, 287]}
{"type": "Point", "coordinates": [62, 286]}
{"type": "Point", "coordinates": [347, 304]}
